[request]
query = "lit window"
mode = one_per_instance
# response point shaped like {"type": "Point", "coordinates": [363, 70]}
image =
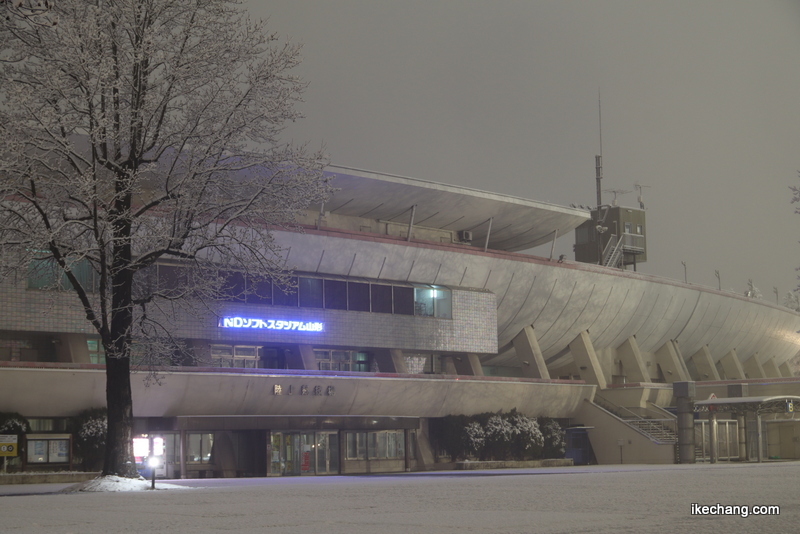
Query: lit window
{"type": "Point", "coordinates": [342, 360]}
{"type": "Point", "coordinates": [97, 353]}
{"type": "Point", "coordinates": [433, 301]}
{"type": "Point", "coordinates": [241, 356]}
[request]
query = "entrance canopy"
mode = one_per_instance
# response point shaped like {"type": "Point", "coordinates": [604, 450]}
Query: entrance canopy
{"type": "Point", "coordinates": [758, 405]}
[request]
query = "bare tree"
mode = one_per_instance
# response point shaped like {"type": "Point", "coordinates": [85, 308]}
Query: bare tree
{"type": "Point", "coordinates": [137, 131]}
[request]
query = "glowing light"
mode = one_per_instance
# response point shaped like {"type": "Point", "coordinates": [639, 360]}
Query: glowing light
{"type": "Point", "coordinates": [270, 324]}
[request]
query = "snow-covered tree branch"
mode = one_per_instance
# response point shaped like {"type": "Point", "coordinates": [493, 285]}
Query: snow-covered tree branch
{"type": "Point", "coordinates": [140, 131]}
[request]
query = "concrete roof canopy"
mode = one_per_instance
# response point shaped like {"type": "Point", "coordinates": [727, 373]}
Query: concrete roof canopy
{"type": "Point", "coordinates": [516, 223]}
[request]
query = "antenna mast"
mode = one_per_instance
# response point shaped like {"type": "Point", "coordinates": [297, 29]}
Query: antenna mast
{"type": "Point", "coordinates": [598, 160]}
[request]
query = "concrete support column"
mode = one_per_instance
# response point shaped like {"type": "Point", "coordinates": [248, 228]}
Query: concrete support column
{"type": "Point", "coordinates": [586, 359]}
{"type": "Point", "coordinates": [669, 358]}
{"type": "Point", "coordinates": [468, 364]}
{"type": "Point", "coordinates": [732, 366]}
{"type": "Point", "coordinates": [760, 447]}
{"type": "Point", "coordinates": [704, 364]}
{"type": "Point", "coordinates": [740, 390]}
{"type": "Point", "coordinates": [307, 361]}
{"type": "Point", "coordinates": [785, 371]}
{"type": "Point", "coordinates": [391, 361]}
{"type": "Point", "coordinates": [712, 427]}
{"type": "Point", "coordinates": [632, 362]}
{"type": "Point", "coordinates": [448, 366]}
{"type": "Point", "coordinates": [182, 446]}
{"type": "Point", "coordinates": [742, 428]}
{"type": "Point", "coordinates": [684, 393]}
{"type": "Point", "coordinates": [752, 368]}
{"type": "Point", "coordinates": [771, 368]}
{"type": "Point", "coordinates": [529, 355]}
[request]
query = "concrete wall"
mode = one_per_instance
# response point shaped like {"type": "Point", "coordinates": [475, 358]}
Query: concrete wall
{"type": "Point", "coordinates": [60, 392]}
{"type": "Point", "coordinates": [608, 431]}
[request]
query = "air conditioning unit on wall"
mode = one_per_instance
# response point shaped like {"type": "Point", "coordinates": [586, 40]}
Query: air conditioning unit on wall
{"type": "Point", "coordinates": [465, 236]}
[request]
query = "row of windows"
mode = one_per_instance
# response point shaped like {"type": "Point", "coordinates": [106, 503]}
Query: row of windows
{"type": "Point", "coordinates": [342, 360]}
{"type": "Point", "coordinates": [303, 292]}
{"type": "Point", "coordinates": [255, 357]}
{"type": "Point", "coordinates": [388, 444]}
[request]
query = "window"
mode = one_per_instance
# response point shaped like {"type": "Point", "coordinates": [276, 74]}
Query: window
{"type": "Point", "coordinates": [358, 296]}
{"type": "Point", "coordinates": [234, 287]}
{"type": "Point", "coordinates": [389, 444]}
{"type": "Point", "coordinates": [639, 229]}
{"type": "Point", "coordinates": [356, 445]}
{"type": "Point", "coordinates": [241, 356]}
{"type": "Point", "coordinates": [627, 227]}
{"type": "Point", "coordinates": [342, 360]}
{"type": "Point", "coordinates": [97, 353]}
{"type": "Point", "coordinates": [199, 450]}
{"type": "Point", "coordinates": [310, 290]}
{"type": "Point", "coordinates": [259, 290]}
{"type": "Point", "coordinates": [403, 300]}
{"type": "Point", "coordinates": [433, 301]}
{"type": "Point", "coordinates": [335, 295]}
{"type": "Point", "coordinates": [381, 298]}
{"type": "Point", "coordinates": [46, 274]}
{"type": "Point", "coordinates": [286, 296]}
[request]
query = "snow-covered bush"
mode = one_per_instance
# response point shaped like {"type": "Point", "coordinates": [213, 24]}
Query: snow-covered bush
{"type": "Point", "coordinates": [13, 423]}
{"type": "Point", "coordinates": [555, 439]}
{"type": "Point", "coordinates": [89, 435]}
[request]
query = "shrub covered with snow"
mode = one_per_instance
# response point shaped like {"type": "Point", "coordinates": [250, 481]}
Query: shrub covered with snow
{"type": "Point", "coordinates": [497, 436]}
{"type": "Point", "coordinates": [89, 431]}
{"type": "Point", "coordinates": [555, 439]}
{"type": "Point", "coordinates": [13, 423]}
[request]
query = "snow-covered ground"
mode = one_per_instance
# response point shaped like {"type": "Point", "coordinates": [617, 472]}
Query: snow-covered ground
{"type": "Point", "coordinates": [618, 499]}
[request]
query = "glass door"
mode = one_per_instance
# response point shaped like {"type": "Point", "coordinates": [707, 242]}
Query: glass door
{"type": "Point", "coordinates": [327, 453]}
{"type": "Point", "coordinates": [306, 453]}
{"type": "Point", "coordinates": [277, 459]}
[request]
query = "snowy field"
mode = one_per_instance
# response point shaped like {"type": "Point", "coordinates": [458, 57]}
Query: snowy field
{"type": "Point", "coordinates": [619, 499]}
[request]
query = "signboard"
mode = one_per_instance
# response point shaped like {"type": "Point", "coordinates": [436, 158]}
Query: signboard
{"type": "Point", "coordinates": [270, 324]}
{"type": "Point", "coordinates": [8, 445]}
{"type": "Point", "coordinates": [789, 407]}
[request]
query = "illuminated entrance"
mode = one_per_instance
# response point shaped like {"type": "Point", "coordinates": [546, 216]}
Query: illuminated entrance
{"type": "Point", "coordinates": [304, 453]}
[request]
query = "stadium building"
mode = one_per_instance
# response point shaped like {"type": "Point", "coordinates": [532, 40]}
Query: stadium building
{"type": "Point", "coordinates": [413, 302]}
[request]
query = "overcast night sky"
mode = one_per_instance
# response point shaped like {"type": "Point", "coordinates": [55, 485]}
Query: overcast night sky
{"type": "Point", "coordinates": [700, 102]}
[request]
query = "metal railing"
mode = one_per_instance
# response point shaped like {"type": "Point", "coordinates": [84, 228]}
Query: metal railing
{"type": "Point", "coordinates": [659, 430]}
{"type": "Point", "coordinates": [633, 242]}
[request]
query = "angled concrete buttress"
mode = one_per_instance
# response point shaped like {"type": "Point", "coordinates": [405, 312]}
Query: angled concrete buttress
{"type": "Point", "coordinates": [632, 363]}
{"type": "Point", "coordinates": [669, 358]}
{"type": "Point", "coordinates": [391, 361]}
{"type": "Point", "coordinates": [731, 366]}
{"type": "Point", "coordinates": [771, 369]}
{"type": "Point", "coordinates": [704, 364]}
{"type": "Point", "coordinates": [529, 355]}
{"type": "Point", "coordinates": [586, 359]}
{"type": "Point", "coordinates": [753, 369]}
{"type": "Point", "coordinates": [306, 360]}
{"type": "Point", "coordinates": [448, 366]}
{"type": "Point", "coordinates": [785, 371]}
{"type": "Point", "coordinates": [468, 364]}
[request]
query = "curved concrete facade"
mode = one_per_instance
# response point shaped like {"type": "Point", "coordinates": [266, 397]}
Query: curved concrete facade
{"type": "Point", "coordinates": [561, 300]}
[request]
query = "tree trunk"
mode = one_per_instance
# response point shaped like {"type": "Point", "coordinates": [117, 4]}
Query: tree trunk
{"type": "Point", "coordinates": [119, 440]}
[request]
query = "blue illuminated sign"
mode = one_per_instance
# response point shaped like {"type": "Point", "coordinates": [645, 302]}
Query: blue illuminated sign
{"type": "Point", "coordinates": [270, 324]}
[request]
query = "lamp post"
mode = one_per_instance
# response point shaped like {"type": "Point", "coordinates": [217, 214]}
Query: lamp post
{"type": "Point", "coordinates": [685, 278]}
{"type": "Point", "coordinates": [719, 280]}
{"type": "Point", "coordinates": [153, 462]}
